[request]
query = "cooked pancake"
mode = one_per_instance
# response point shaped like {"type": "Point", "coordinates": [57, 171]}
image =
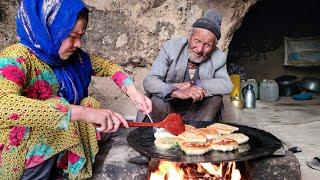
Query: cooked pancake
{"type": "Point", "coordinates": [224, 144]}
{"type": "Point", "coordinates": [239, 137]}
{"type": "Point", "coordinates": [243, 147]}
{"type": "Point", "coordinates": [166, 143]}
{"type": "Point", "coordinates": [195, 148]}
{"type": "Point", "coordinates": [193, 136]}
{"type": "Point", "coordinates": [188, 127]}
{"type": "Point", "coordinates": [210, 133]}
{"type": "Point", "coordinates": [162, 133]}
{"type": "Point", "coordinates": [223, 128]}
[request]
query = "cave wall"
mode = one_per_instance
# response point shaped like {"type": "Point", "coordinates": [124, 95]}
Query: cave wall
{"type": "Point", "coordinates": [131, 33]}
{"type": "Point", "coordinates": [258, 45]}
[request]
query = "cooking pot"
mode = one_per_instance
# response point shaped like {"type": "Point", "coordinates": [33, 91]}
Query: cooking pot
{"type": "Point", "coordinates": [285, 80]}
{"type": "Point", "coordinates": [288, 90]}
{"type": "Point", "coordinates": [310, 83]}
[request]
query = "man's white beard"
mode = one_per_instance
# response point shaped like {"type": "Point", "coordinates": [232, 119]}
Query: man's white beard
{"type": "Point", "coordinates": [194, 59]}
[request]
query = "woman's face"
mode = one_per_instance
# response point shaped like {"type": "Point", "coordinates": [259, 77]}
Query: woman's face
{"type": "Point", "coordinates": [73, 41]}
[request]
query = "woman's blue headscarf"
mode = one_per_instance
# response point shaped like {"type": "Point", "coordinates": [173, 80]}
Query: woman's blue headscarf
{"type": "Point", "coordinates": [42, 25]}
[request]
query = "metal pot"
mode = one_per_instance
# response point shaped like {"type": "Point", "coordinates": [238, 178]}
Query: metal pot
{"type": "Point", "coordinates": [237, 102]}
{"type": "Point", "coordinates": [285, 80]}
{"type": "Point", "coordinates": [310, 83]}
{"type": "Point", "coordinates": [288, 90]}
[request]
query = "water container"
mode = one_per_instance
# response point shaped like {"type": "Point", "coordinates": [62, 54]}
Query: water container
{"type": "Point", "coordinates": [269, 90]}
{"type": "Point", "coordinates": [235, 79]}
{"type": "Point", "coordinates": [249, 97]}
{"type": "Point", "coordinates": [253, 82]}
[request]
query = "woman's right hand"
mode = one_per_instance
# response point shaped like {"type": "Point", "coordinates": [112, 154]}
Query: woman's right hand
{"type": "Point", "coordinates": [104, 119]}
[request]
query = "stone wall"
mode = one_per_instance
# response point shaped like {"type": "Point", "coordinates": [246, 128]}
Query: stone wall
{"type": "Point", "coordinates": [131, 33]}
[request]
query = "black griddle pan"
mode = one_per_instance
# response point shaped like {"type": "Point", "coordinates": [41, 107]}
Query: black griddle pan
{"type": "Point", "coordinates": [261, 143]}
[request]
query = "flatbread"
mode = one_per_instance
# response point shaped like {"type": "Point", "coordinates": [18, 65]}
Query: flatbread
{"type": "Point", "coordinates": [188, 127]}
{"type": "Point", "coordinates": [194, 135]}
{"type": "Point", "coordinates": [243, 147]}
{"type": "Point", "coordinates": [195, 148]}
{"type": "Point", "coordinates": [210, 133]}
{"type": "Point", "coordinates": [239, 137]}
{"type": "Point", "coordinates": [223, 128]}
{"type": "Point", "coordinates": [224, 144]}
{"type": "Point", "coordinates": [166, 143]}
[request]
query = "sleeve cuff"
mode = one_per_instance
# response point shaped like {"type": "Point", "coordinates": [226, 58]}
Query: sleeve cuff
{"type": "Point", "coordinates": [62, 106]}
{"type": "Point", "coordinates": [165, 93]}
{"type": "Point", "coordinates": [65, 121]}
{"type": "Point", "coordinates": [198, 83]}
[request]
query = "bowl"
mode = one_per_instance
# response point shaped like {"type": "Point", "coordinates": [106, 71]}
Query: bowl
{"type": "Point", "coordinates": [302, 96]}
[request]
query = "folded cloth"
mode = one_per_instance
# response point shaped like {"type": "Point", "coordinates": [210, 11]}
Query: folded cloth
{"type": "Point", "coordinates": [314, 163]}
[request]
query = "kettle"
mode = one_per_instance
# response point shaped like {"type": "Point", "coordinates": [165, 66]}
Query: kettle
{"type": "Point", "coordinates": [249, 97]}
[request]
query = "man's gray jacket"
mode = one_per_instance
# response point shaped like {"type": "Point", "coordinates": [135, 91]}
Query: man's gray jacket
{"type": "Point", "coordinates": [171, 65]}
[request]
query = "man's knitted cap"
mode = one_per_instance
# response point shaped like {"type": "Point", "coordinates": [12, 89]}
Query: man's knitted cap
{"type": "Point", "coordinates": [211, 20]}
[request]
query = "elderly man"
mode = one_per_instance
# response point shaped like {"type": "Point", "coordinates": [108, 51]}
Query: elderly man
{"type": "Point", "coordinates": [189, 75]}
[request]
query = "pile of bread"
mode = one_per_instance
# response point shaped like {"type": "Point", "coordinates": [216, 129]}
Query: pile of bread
{"type": "Point", "coordinates": [198, 141]}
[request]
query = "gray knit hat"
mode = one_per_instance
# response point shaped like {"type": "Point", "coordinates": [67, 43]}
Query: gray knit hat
{"type": "Point", "coordinates": [211, 20]}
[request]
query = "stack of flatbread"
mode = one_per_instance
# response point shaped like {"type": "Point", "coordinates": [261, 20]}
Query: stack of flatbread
{"type": "Point", "coordinates": [198, 141]}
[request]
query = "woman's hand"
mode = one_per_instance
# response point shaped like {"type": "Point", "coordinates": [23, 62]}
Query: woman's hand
{"type": "Point", "coordinates": [142, 102]}
{"type": "Point", "coordinates": [105, 120]}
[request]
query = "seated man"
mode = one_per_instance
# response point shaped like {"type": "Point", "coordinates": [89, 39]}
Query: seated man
{"type": "Point", "coordinates": [189, 76]}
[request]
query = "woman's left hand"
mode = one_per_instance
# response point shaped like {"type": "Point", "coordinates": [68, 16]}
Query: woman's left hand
{"type": "Point", "coordinates": [142, 102]}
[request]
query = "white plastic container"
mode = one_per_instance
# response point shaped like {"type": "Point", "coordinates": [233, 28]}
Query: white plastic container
{"type": "Point", "coordinates": [269, 90]}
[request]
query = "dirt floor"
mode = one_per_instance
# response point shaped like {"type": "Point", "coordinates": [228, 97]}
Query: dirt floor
{"type": "Point", "coordinates": [296, 123]}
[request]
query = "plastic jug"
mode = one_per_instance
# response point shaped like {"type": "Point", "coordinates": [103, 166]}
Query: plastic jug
{"type": "Point", "coordinates": [269, 90]}
{"type": "Point", "coordinates": [235, 79]}
{"type": "Point", "coordinates": [249, 97]}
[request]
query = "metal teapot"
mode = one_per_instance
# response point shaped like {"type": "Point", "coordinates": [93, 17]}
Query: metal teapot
{"type": "Point", "coordinates": [249, 97]}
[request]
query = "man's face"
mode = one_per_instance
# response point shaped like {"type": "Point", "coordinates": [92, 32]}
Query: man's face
{"type": "Point", "coordinates": [73, 41]}
{"type": "Point", "coordinates": [201, 43]}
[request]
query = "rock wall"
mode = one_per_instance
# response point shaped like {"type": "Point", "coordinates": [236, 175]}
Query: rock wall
{"type": "Point", "coordinates": [131, 33]}
{"type": "Point", "coordinates": [258, 45]}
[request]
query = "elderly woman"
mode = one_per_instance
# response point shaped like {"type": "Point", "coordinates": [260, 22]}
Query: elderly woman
{"type": "Point", "coordinates": [46, 118]}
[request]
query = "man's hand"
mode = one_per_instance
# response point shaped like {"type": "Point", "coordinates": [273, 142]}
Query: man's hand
{"type": "Point", "coordinates": [183, 85]}
{"type": "Point", "coordinates": [194, 93]}
{"type": "Point", "coordinates": [105, 120]}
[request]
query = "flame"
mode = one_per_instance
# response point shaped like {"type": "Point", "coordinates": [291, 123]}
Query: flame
{"type": "Point", "coordinates": [167, 170]}
{"type": "Point", "coordinates": [179, 171]}
{"type": "Point", "coordinates": [235, 174]}
{"type": "Point", "coordinates": [213, 169]}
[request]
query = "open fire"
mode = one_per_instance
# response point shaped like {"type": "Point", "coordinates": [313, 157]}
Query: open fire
{"type": "Point", "coordinates": [167, 170]}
